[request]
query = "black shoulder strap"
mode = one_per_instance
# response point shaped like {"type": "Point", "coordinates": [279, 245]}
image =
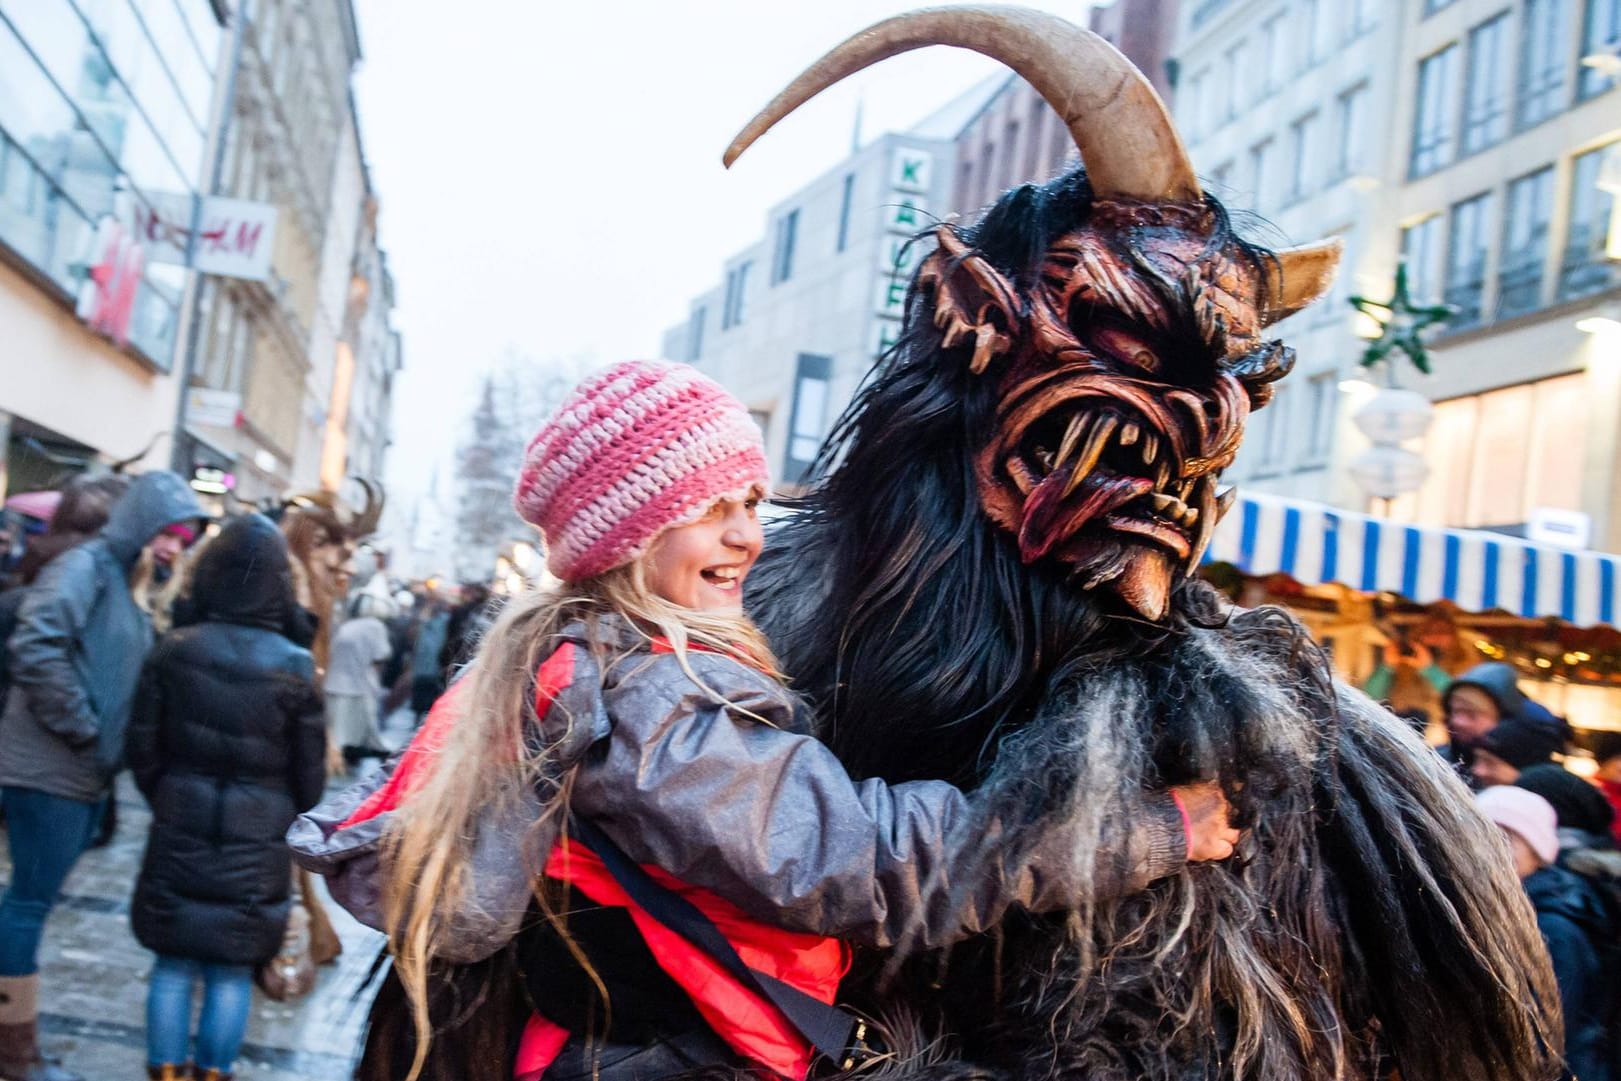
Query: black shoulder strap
{"type": "Point", "coordinates": [827, 1028]}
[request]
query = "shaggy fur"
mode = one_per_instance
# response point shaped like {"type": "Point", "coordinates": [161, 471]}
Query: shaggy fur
{"type": "Point", "coordinates": [1370, 921]}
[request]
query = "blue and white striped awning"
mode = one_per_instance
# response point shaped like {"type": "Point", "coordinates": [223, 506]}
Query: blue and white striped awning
{"type": "Point", "coordinates": [1314, 543]}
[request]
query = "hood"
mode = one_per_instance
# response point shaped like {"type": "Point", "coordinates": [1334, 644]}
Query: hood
{"type": "Point", "coordinates": [1564, 893]}
{"type": "Point", "coordinates": [1499, 681]}
{"type": "Point", "coordinates": [243, 576]}
{"type": "Point", "coordinates": [155, 500]}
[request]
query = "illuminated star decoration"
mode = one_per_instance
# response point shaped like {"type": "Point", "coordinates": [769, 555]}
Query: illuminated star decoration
{"type": "Point", "coordinates": [1403, 323]}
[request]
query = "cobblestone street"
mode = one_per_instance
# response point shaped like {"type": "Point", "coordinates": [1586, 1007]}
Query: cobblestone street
{"type": "Point", "coordinates": [94, 974]}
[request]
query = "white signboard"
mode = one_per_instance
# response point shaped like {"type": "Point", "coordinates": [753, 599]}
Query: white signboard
{"type": "Point", "coordinates": [1560, 528]}
{"type": "Point", "coordinates": [214, 408]}
{"type": "Point", "coordinates": [235, 237]}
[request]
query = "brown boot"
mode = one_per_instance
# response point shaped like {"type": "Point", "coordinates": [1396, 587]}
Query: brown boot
{"type": "Point", "coordinates": [210, 1074]}
{"type": "Point", "coordinates": [20, 1059]}
{"type": "Point", "coordinates": [168, 1072]}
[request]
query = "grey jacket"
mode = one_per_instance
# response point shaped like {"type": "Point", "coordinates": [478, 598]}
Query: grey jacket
{"type": "Point", "coordinates": [727, 792]}
{"type": "Point", "coordinates": [77, 650]}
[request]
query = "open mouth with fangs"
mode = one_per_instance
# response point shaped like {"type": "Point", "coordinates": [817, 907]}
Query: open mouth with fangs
{"type": "Point", "coordinates": [1096, 468]}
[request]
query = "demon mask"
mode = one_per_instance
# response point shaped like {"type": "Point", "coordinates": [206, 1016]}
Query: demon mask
{"type": "Point", "coordinates": [321, 539]}
{"type": "Point", "coordinates": [1125, 370]}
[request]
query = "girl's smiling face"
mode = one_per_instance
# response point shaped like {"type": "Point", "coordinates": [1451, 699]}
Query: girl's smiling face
{"type": "Point", "coordinates": [702, 564]}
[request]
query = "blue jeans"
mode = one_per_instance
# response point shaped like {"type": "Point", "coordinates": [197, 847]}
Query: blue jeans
{"type": "Point", "coordinates": [227, 998]}
{"type": "Point", "coordinates": [47, 834]}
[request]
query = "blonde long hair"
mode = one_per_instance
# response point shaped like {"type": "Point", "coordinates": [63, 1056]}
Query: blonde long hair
{"type": "Point", "coordinates": [495, 751]}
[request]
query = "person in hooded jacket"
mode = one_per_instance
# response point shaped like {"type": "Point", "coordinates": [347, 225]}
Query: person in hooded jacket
{"type": "Point", "coordinates": [1478, 701]}
{"type": "Point", "coordinates": [1574, 923]}
{"type": "Point", "coordinates": [75, 660]}
{"type": "Point", "coordinates": [228, 745]}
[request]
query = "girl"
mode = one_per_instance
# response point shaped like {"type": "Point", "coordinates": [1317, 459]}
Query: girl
{"type": "Point", "coordinates": [227, 744]}
{"type": "Point", "coordinates": [633, 716]}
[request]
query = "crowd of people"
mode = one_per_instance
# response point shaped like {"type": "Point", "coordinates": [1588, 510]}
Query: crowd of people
{"type": "Point", "coordinates": [138, 633]}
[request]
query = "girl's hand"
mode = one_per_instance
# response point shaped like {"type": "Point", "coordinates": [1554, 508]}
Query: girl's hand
{"type": "Point", "coordinates": [1205, 812]}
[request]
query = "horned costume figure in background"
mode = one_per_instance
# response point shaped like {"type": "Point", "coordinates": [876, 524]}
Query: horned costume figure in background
{"type": "Point", "coordinates": [321, 538]}
{"type": "Point", "coordinates": [1006, 534]}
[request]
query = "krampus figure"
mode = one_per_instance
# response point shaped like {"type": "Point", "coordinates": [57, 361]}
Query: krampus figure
{"type": "Point", "coordinates": [1005, 538]}
{"type": "Point", "coordinates": [321, 538]}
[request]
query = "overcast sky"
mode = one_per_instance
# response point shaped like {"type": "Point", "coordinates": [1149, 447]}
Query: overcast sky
{"type": "Point", "coordinates": [550, 177]}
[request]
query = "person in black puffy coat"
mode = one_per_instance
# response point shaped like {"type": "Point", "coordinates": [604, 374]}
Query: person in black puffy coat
{"type": "Point", "coordinates": [228, 744]}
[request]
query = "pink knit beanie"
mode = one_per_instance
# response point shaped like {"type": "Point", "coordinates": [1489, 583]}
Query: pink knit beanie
{"type": "Point", "coordinates": [638, 447]}
{"type": "Point", "coordinates": [1524, 813]}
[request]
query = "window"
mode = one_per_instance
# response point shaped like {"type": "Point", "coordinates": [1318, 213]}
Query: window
{"type": "Point", "coordinates": [782, 259]}
{"type": "Point", "coordinates": [1467, 240]}
{"type": "Point", "coordinates": [1010, 148]}
{"type": "Point", "coordinates": [1032, 146]}
{"type": "Point", "coordinates": [737, 283]}
{"type": "Point", "coordinates": [844, 211]}
{"type": "Point", "coordinates": [1544, 43]}
{"type": "Point", "coordinates": [1437, 111]}
{"type": "Point", "coordinates": [808, 419]}
{"type": "Point", "coordinates": [1351, 120]}
{"type": "Point", "coordinates": [1233, 73]}
{"type": "Point", "coordinates": [1260, 174]}
{"type": "Point", "coordinates": [1585, 267]}
{"type": "Point", "coordinates": [1485, 100]}
{"type": "Point", "coordinates": [987, 173]}
{"type": "Point", "coordinates": [1303, 156]}
{"type": "Point", "coordinates": [1324, 29]}
{"type": "Point", "coordinates": [1601, 35]}
{"type": "Point", "coordinates": [1275, 428]}
{"type": "Point", "coordinates": [695, 334]}
{"type": "Point", "coordinates": [1274, 53]}
{"type": "Point", "coordinates": [1363, 17]}
{"type": "Point", "coordinates": [1062, 147]}
{"type": "Point", "coordinates": [1432, 6]}
{"type": "Point", "coordinates": [1307, 15]}
{"type": "Point", "coordinates": [965, 184]}
{"type": "Point", "coordinates": [1199, 104]}
{"type": "Point", "coordinates": [1525, 243]}
{"type": "Point", "coordinates": [1421, 251]}
{"type": "Point", "coordinates": [1325, 403]}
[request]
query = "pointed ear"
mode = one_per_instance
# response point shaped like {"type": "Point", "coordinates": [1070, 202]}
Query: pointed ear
{"type": "Point", "coordinates": [1300, 276]}
{"type": "Point", "coordinates": [972, 301]}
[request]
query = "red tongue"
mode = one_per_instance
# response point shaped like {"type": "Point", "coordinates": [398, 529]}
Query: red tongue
{"type": "Point", "coordinates": [1050, 519]}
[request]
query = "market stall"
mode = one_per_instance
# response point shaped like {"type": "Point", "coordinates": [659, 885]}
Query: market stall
{"type": "Point", "coordinates": [1404, 605]}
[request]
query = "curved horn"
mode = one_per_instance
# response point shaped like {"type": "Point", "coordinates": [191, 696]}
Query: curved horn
{"type": "Point", "coordinates": [1118, 122]}
{"type": "Point", "coordinates": [364, 523]}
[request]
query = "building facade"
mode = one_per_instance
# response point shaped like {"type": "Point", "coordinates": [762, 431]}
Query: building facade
{"type": "Point", "coordinates": [1277, 102]}
{"type": "Point", "coordinates": [1508, 149]}
{"type": "Point", "coordinates": [799, 316]}
{"type": "Point", "coordinates": [106, 115]}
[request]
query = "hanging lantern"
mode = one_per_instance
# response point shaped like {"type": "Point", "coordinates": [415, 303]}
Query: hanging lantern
{"type": "Point", "coordinates": [1386, 472]}
{"type": "Point", "coordinates": [1394, 415]}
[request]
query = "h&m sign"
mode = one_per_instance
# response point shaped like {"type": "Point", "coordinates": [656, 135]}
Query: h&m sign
{"type": "Point", "coordinates": [235, 237]}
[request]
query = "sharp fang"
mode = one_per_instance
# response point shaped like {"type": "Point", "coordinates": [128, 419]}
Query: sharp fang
{"type": "Point", "coordinates": [1128, 434]}
{"type": "Point", "coordinates": [1163, 477]}
{"type": "Point", "coordinates": [1164, 502]}
{"type": "Point", "coordinates": [1190, 516]}
{"type": "Point", "coordinates": [1072, 436]}
{"type": "Point", "coordinates": [1225, 500]}
{"type": "Point", "coordinates": [1090, 453]}
{"type": "Point", "coordinates": [1150, 448]}
{"type": "Point", "coordinates": [1021, 475]}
